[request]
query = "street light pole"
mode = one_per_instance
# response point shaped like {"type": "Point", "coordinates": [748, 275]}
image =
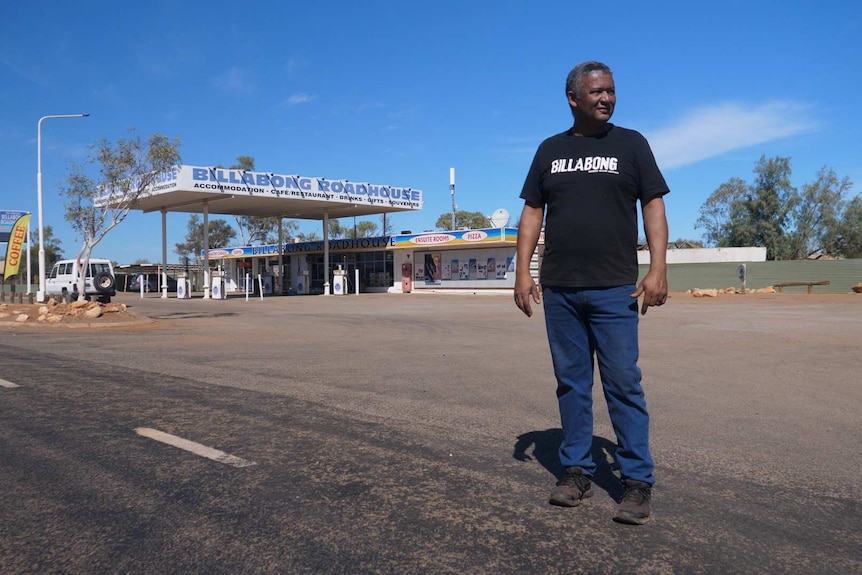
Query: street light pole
{"type": "Point", "coordinates": [40, 294]}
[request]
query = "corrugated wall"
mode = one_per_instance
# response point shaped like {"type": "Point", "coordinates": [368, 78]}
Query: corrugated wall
{"type": "Point", "coordinates": [842, 274]}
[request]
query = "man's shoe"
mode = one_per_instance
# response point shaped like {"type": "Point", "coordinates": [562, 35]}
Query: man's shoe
{"type": "Point", "coordinates": [572, 488]}
{"type": "Point", "coordinates": [634, 506]}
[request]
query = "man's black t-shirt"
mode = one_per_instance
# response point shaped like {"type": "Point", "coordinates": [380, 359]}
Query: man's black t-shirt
{"type": "Point", "coordinates": [590, 186]}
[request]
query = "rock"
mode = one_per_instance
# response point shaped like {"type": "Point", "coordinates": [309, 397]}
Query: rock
{"type": "Point", "coordinates": [857, 288]}
{"type": "Point", "coordinates": [79, 304]}
{"type": "Point", "coordinates": [22, 317]}
{"type": "Point", "coordinates": [54, 318]}
{"type": "Point", "coordinates": [705, 293]}
{"type": "Point", "coordinates": [61, 309]}
{"type": "Point", "coordinates": [44, 310]}
{"type": "Point", "coordinates": [94, 312]}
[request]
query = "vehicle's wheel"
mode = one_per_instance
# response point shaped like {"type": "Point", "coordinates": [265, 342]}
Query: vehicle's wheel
{"type": "Point", "coordinates": [65, 297]}
{"type": "Point", "coordinates": [104, 282]}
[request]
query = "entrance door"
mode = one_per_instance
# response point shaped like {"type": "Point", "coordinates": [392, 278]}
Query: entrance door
{"type": "Point", "coordinates": [287, 278]}
{"type": "Point", "coordinates": [316, 273]}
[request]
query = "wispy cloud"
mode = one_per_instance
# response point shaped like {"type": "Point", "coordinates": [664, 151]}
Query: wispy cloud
{"type": "Point", "coordinates": [294, 64]}
{"type": "Point", "coordinates": [166, 55]}
{"type": "Point", "coordinates": [714, 130]}
{"type": "Point", "coordinates": [20, 68]}
{"type": "Point", "coordinates": [234, 81]}
{"type": "Point", "coordinates": [301, 98]}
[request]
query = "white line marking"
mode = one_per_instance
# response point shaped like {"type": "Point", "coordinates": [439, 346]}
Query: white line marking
{"type": "Point", "coordinates": [4, 383]}
{"type": "Point", "coordinates": [193, 447]}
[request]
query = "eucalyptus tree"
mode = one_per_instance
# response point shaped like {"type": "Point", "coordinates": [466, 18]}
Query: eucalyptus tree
{"type": "Point", "coordinates": [100, 192]}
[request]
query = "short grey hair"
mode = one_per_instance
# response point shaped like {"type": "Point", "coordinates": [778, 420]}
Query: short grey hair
{"type": "Point", "coordinates": [573, 81]}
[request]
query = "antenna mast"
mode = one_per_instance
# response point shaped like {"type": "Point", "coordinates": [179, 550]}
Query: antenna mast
{"type": "Point", "coordinates": [452, 190]}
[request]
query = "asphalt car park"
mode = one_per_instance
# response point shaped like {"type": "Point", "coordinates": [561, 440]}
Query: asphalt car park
{"type": "Point", "coordinates": [417, 433]}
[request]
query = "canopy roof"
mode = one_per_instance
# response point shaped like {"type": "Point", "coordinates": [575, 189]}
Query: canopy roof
{"type": "Point", "coordinates": [194, 189]}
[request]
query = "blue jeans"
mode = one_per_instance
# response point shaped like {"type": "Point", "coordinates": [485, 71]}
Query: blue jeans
{"type": "Point", "coordinates": [601, 323]}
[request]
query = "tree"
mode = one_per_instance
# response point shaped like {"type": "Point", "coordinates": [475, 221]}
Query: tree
{"type": "Point", "coordinates": [253, 229]}
{"type": "Point", "coordinates": [817, 214]}
{"type": "Point", "coordinates": [219, 236]}
{"type": "Point", "coordinates": [849, 232]}
{"type": "Point", "coordinates": [715, 213]}
{"type": "Point", "coordinates": [773, 214]}
{"type": "Point", "coordinates": [737, 214]}
{"type": "Point", "coordinates": [245, 163]}
{"type": "Point", "coordinates": [463, 219]}
{"type": "Point", "coordinates": [53, 251]}
{"type": "Point", "coordinates": [770, 205]}
{"type": "Point", "coordinates": [289, 229]}
{"type": "Point", "coordinates": [362, 229]}
{"type": "Point", "coordinates": [126, 170]}
{"type": "Point", "coordinates": [336, 230]}
{"type": "Point", "coordinates": [307, 237]}
{"type": "Point", "coordinates": [258, 231]}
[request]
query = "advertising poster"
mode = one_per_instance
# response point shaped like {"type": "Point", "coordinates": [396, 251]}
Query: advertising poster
{"type": "Point", "coordinates": [420, 272]}
{"type": "Point", "coordinates": [447, 271]}
{"type": "Point", "coordinates": [456, 270]}
{"type": "Point", "coordinates": [482, 270]}
{"type": "Point", "coordinates": [464, 274]}
{"type": "Point", "coordinates": [474, 272]}
{"type": "Point", "coordinates": [432, 268]}
{"type": "Point", "coordinates": [492, 268]}
{"type": "Point", "coordinates": [501, 270]}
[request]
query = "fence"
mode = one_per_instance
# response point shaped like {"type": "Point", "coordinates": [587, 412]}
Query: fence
{"type": "Point", "coordinates": [841, 275]}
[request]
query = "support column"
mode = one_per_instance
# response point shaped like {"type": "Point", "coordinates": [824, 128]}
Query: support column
{"type": "Point", "coordinates": [206, 251]}
{"type": "Point", "coordinates": [163, 277]}
{"type": "Point", "coordinates": [279, 283]}
{"type": "Point", "coordinates": [326, 253]}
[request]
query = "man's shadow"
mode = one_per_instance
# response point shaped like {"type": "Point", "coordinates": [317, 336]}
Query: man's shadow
{"type": "Point", "coordinates": [546, 445]}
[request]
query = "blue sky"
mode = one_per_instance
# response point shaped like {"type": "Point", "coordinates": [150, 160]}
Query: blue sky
{"type": "Point", "coordinates": [398, 92]}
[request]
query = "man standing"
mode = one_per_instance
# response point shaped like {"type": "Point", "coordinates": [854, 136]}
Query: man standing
{"type": "Point", "coordinates": [585, 184]}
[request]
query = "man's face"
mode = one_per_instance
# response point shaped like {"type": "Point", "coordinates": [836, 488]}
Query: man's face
{"type": "Point", "coordinates": [596, 97]}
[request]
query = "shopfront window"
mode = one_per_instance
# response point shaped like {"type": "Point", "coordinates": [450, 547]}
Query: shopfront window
{"type": "Point", "coordinates": [375, 269]}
